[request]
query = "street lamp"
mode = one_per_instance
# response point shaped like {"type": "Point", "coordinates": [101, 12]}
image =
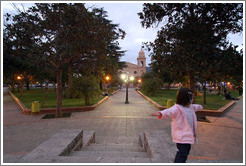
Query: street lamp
{"type": "Point", "coordinates": [126, 78]}
{"type": "Point", "coordinates": [20, 78]}
{"type": "Point", "coordinates": [139, 84]}
{"type": "Point", "coordinates": [107, 78]}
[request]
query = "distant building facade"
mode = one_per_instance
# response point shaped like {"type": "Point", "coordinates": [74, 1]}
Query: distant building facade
{"type": "Point", "coordinates": [136, 70]}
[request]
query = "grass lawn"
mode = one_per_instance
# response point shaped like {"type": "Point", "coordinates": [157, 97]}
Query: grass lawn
{"type": "Point", "coordinates": [39, 94]}
{"type": "Point", "coordinates": [214, 101]}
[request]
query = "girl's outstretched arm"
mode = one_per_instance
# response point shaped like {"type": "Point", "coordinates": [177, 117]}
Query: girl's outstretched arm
{"type": "Point", "coordinates": [158, 114]}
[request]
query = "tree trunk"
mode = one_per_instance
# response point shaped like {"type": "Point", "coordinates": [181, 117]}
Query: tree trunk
{"type": "Point", "coordinates": [13, 86]}
{"type": "Point", "coordinates": [224, 90]}
{"type": "Point", "coordinates": [87, 100]}
{"type": "Point", "coordinates": [45, 97]}
{"type": "Point", "coordinates": [27, 84]}
{"type": "Point", "coordinates": [22, 87]}
{"type": "Point", "coordinates": [204, 94]}
{"type": "Point", "coordinates": [192, 82]}
{"type": "Point", "coordinates": [101, 85]}
{"type": "Point", "coordinates": [168, 86]}
{"type": "Point", "coordinates": [64, 89]}
{"type": "Point", "coordinates": [70, 82]}
{"type": "Point", "coordinates": [13, 82]}
{"type": "Point", "coordinates": [59, 93]}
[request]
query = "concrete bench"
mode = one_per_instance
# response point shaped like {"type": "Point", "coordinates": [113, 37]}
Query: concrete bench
{"type": "Point", "coordinates": [158, 145]}
{"type": "Point", "coordinates": [61, 144]}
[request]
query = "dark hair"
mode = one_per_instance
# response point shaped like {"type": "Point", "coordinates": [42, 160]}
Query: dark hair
{"type": "Point", "coordinates": [184, 96]}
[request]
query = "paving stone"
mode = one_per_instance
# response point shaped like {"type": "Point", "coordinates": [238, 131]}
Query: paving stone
{"type": "Point", "coordinates": [109, 154]}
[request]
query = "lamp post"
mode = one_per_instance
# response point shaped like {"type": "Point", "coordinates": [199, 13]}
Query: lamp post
{"type": "Point", "coordinates": [125, 77]}
{"type": "Point", "coordinates": [139, 84]}
{"type": "Point", "coordinates": [107, 78]}
{"type": "Point", "coordinates": [20, 78]}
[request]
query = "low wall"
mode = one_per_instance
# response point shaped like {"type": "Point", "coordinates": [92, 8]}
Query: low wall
{"type": "Point", "coordinates": [59, 147]}
{"type": "Point", "coordinates": [160, 107]}
{"type": "Point", "coordinates": [218, 112]}
{"type": "Point", "coordinates": [53, 110]}
{"type": "Point", "coordinates": [20, 104]}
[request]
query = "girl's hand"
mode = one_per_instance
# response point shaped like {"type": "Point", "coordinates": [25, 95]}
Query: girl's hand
{"type": "Point", "coordinates": [158, 114]}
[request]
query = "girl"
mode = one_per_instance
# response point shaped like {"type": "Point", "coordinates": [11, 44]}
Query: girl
{"type": "Point", "coordinates": [183, 124]}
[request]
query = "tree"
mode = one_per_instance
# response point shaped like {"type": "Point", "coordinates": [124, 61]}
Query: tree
{"type": "Point", "coordinates": [192, 35]}
{"type": "Point", "coordinates": [19, 44]}
{"type": "Point", "coordinates": [231, 65]}
{"type": "Point", "coordinates": [72, 34]}
{"type": "Point", "coordinates": [68, 35]}
{"type": "Point", "coordinates": [105, 57]}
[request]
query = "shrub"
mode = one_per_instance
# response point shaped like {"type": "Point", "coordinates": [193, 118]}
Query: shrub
{"type": "Point", "coordinates": [151, 84]}
{"type": "Point", "coordinates": [86, 86]}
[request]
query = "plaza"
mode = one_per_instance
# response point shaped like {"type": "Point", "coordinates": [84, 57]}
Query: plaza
{"type": "Point", "coordinates": [220, 141]}
{"type": "Point", "coordinates": [105, 92]}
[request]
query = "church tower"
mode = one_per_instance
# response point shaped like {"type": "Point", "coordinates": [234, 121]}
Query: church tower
{"type": "Point", "coordinates": [141, 59]}
{"type": "Point", "coordinates": [136, 70]}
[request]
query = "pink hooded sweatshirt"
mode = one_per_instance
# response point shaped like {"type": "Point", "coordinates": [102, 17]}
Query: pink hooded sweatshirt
{"type": "Point", "coordinates": [181, 130]}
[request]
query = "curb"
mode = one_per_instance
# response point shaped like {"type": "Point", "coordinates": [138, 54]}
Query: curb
{"type": "Point", "coordinates": [27, 111]}
{"type": "Point", "coordinates": [218, 112]}
{"type": "Point", "coordinates": [20, 104]}
{"type": "Point", "coordinates": [115, 92]}
{"type": "Point", "coordinates": [160, 107]}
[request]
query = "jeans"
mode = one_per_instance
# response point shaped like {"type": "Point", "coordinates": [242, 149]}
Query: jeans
{"type": "Point", "coordinates": [182, 153]}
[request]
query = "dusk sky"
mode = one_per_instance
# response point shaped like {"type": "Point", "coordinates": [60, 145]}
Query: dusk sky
{"type": "Point", "coordinates": [125, 14]}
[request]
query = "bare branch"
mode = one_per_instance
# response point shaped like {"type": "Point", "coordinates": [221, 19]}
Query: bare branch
{"type": "Point", "coordinates": [16, 8]}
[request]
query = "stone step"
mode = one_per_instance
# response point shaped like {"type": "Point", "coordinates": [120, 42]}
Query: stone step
{"type": "Point", "coordinates": [109, 154]}
{"type": "Point", "coordinates": [12, 158]}
{"type": "Point", "coordinates": [117, 140]}
{"type": "Point", "coordinates": [79, 159]}
{"type": "Point", "coordinates": [113, 147]}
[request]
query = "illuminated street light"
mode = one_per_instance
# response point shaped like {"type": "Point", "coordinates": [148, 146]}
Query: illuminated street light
{"type": "Point", "coordinates": [125, 77]}
{"type": "Point", "coordinates": [131, 78]}
{"type": "Point", "coordinates": [19, 77]}
{"type": "Point", "coordinates": [107, 78]}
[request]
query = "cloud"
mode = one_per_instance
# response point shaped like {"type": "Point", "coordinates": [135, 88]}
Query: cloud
{"type": "Point", "coordinates": [125, 14]}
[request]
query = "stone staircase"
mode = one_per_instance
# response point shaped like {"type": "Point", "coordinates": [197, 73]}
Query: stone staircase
{"type": "Point", "coordinates": [81, 146]}
{"type": "Point", "coordinates": [113, 150]}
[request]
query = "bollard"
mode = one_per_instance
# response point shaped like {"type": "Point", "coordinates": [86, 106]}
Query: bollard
{"type": "Point", "coordinates": [35, 107]}
{"type": "Point", "coordinates": [169, 103]}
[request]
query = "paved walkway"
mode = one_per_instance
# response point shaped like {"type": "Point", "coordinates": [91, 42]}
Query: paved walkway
{"type": "Point", "coordinates": [220, 140]}
{"type": "Point", "coordinates": [223, 138]}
